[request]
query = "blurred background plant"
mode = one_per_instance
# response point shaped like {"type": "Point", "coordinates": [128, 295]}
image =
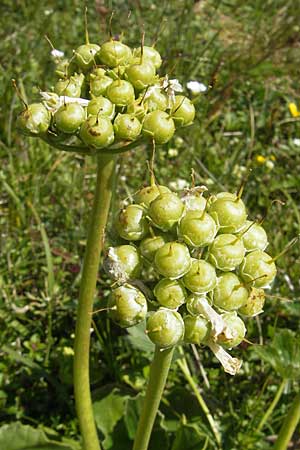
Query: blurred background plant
{"type": "Point", "coordinates": [246, 55]}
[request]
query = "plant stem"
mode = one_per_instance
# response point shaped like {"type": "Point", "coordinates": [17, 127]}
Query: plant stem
{"type": "Point", "coordinates": [158, 375]}
{"type": "Point", "coordinates": [186, 371]}
{"type": "Point", "coordinates": [98, 220]}
{"type": "Point", "coordinates": [272, 405]}
{"type": "Point", "coordinates": [289, 425]}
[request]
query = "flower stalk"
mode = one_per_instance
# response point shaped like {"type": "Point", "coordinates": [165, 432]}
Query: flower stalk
{"type": "Point", "coordinates": [98, 220]}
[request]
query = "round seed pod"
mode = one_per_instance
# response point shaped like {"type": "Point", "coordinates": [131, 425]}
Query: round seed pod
{"type": "Point", "coordinates": [69, 117]}
{"type": "Point", "coordinates": [120, 92]}
{"type": "Point", "coordinates": [138, 109]}
{"type": "Point", "coordinates": [197, 329]}
{"type": "Point", "coordinates": [235, 330]}
{"type": "Point", "coordinates": [201, 278]}
{"type": "Point", "coordinates": [183, 111]}
{"type": "Point", "coordinates": [140, 74]}
{"type": "Point", "coordinates": [197, 229]}
{"type": "Point", "coordinates": [127, 127]}
{"type": "Point", "coordinates": [158, 125]}
{"type": "Point", "coordinates": [101, 106]}
{"type": "Point", "coordinates": [194, 202]}
{"type": "Point", "coordinates": [254, 304]}
{"type": "Point", "coordinates": [228, 211]}
{"type": "Point", "coordinates": [97, 132]}
{"type": "Point", "coordinates": [99, 85]}
{"type": "Point", "coordinates": [172, 260]}
{"type": "Point", "coordinates": [230, 294]}
{"type": "Point", "coordinates": [85, 55]}
{"type": "Point", "coordinates": [165, 328]}
{"type": "Point", "coordinates": [155, 100]}
{"type": "Point", "coordinates": [127, 306]}
{"type": "Point", "coordinates": [131, 223]}
{"type": "Point", "coordinates": [227, 252]}
{"type": "Point", "coordinates": [70, 87]}
{"type": "Point", "coordinates": [193, 301]}
{"type": "Point", "coordinates": [149, 246]}
{"type": "Point", "coordinates": [123, 263]}
{"type": "Point", "coordinates": [34, 120]}
{"type": "Point", "coordinates": [149, 54]}
{"type": "Point", "coordinates": [255, 238]}
{"type": "Point", "coordinates": [114, 53]}
{"type": "Point", "coordinates": [170, 293]}
{"type": "Point", "coordinates": [166, 210]}
{"type": "Point", "coordinates": [147, 194]}
{"type": "Point", "coordinates": [260, 267]}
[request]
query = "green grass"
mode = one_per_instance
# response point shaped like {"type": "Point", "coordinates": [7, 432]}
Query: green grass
{"type": "Point", "coordinates": [250, 50]}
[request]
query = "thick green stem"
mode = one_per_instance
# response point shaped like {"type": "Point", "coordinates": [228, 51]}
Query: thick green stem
{"type": "Point", "coordinates": [98, 219]}
{"type": "Point", "coordinates": [158, 375]}
{"type": "Point", "coordinates": [272, 405]}
{"type": "Point", "coordinates": [289, 425]}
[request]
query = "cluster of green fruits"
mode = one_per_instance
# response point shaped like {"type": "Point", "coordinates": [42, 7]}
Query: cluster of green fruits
{"type": "Point", "coordinates": [108, 94]}
{"type": "Point", "coordinates": [191, 266]}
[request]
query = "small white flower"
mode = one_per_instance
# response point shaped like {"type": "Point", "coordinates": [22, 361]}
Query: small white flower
{"type": "Point", "coordinates": [230, 365]}
{"type": "Point", "coordinates": [172, 152]}
{"type": "Point", "coordinates": [170, 87]}
{"type": "Point", "coordinates": [296, 142]}
{"type": "Point", "coordinates": [53, 101]}
{"type": "Point", "coordinates": [57, 53]}
{"type": "Point", "coordinates": [195, 87]}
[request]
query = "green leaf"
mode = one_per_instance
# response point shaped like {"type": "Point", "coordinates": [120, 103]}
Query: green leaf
{"type": "Point", "coordinates": [283, 354]}
{"type": "Point", "coordinates": [138, 338]}
{"type": "Point", "coordinates": [189, 437]}
{"type": "Point", "coordinates": [17, 436]}
{"type": "Point", "coordinates": [108, 411]}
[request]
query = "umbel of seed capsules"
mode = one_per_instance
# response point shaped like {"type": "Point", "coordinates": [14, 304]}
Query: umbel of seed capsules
{"type": "Point", "coordinates": [200, 263]}
{"type": "Point", "coordinates": [108, 94]}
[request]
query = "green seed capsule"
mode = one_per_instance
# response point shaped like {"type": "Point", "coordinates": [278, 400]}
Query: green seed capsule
{"type": "Point", "coordinates": [165, 328]}
{"type": "Point", "coordinates": [201, 278]}
{"type": "Point", "coordinates": [85, 55]}
{"type": "Point", "coordinates": [34, 120]}
{"type": "Point", "coordinates": [97, 131]}
{"type": "Point", "coordinates": [127, 127]}
{"type": "Point", "coordinates": [149, 54]}
{"type": "Point", "coordinates": [194, 202]}
{"type": "Point", "coordinates": [101, 106]}
{"type": "Point", "coordinates": [172, 260]}
{"type": "Point", "coordinates": [197, 229]}
{"type": "Point", "coordinates": [149, 246]}
{"type": "Point", "coordinates": [131, 223]}
{"type": "Point", "coordinates": [158, 125]}
{"type": "Point", "coordinates": [226, 252]}
{"type": "Point", "coordinates": [99, 85]}
{"type": "Point", "coordinates": [183, 111]}
{"type": "Point", "coordinates": [114, 53]}
{"type": "Point", "coordinates": [254, 304]}
{"type": "Point", "coordinates": [194, 303]}
{"type": "Point", "coordinates": [120, 92]}
{"type": "Point", "coordinates": [235, 330]}
{"type": "Point", "coordinates": [140, 75]}
{"type": "Point", "coordinates": [197, 329]}
{"type": "Point", "coordinates": [229, 294]}
{"type": "Point", "coordinates": [258, 266]}
{"type": "Point", "coordinates": [166, 210]}
{"type": "Point", "coordinates": [255, 238]}
{"type": "Point", "coordinates": [69, 117]}
{"type": "Point", "coordinates": [123, 263]}
{"type": "Point", "coordinates": [155, 99]}
{"type": "Point", "coordinates": [147, 194]}
{"type": "Point", "coordinates": [70, 87]}
{"type": "Point", "coordinates": [170, 293]}
{"type": "Point", "coordinates": [127, 306]}
{"type": "Point", "coordinates": [138, 109]}
{"type": "Point", "coordinates": [228, 211]}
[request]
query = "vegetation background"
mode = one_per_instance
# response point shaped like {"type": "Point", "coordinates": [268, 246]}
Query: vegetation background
{"type": "Point", "coordinates": [247, 54]}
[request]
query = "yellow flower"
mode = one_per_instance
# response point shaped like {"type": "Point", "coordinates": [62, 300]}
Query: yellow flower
{"type": "Point", "coordinates": [294, 110]}
{"type": "Point", "coordinates": [260, 159]}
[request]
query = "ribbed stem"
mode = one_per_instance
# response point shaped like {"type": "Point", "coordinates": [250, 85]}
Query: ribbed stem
{"type": "Point", "coordinates": [98, 219]}
{"type": "Point", "coordinates": [289, 425]}
{"type": "Point", "coordinates": [158, 376]}
{"type": "Point", "coordinates": [272, 405]}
